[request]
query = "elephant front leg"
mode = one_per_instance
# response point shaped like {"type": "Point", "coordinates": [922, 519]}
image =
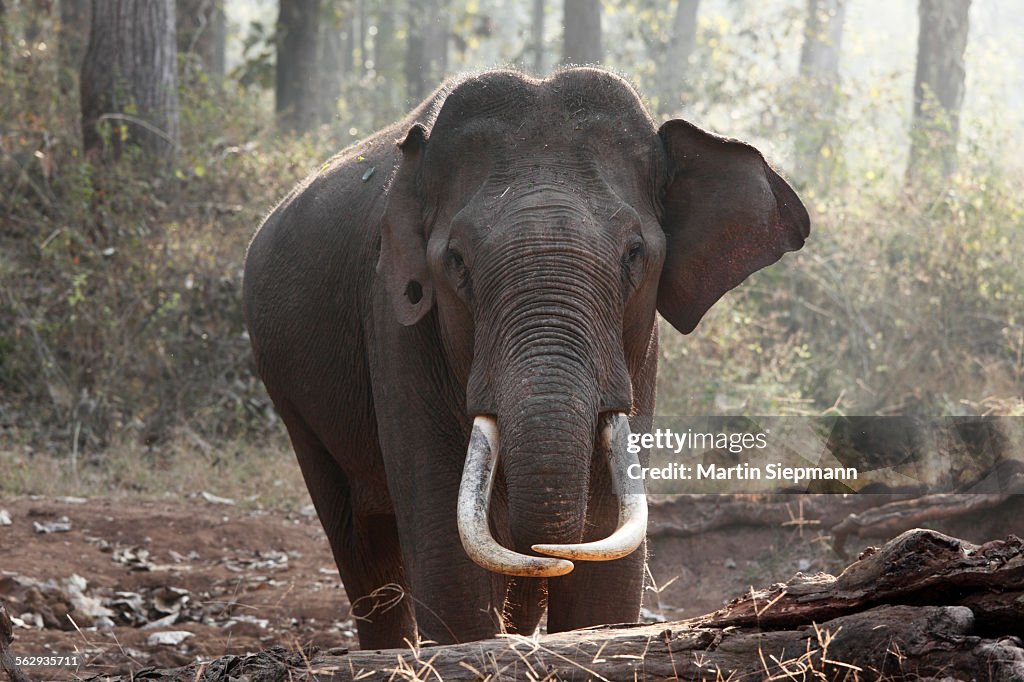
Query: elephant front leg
{"type": "Point", "coordinates": [597, 593]}
{"type": "Point", "coordinates": [455, 600]}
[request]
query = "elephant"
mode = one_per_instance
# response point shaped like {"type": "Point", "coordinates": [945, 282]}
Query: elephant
{"type": "Point", "coordinates": [456, 320]}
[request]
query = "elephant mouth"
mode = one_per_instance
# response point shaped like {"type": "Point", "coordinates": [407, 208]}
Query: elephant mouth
{"type": "Point", "coordinates": [475, 499]}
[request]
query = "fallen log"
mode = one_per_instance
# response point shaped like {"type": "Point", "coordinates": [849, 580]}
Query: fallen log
{"type": "Point", "coordinates": [864, 515]}
{"type": "Point", "coordinates": [896, 517]}
{"type": "Point", "coordinates": [691, 515]}
{"type": "Point", "coordinates": [924, 606]}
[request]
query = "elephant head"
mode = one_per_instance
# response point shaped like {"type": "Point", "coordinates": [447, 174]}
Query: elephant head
{"type": "Point", "coordinates": [539, 225]}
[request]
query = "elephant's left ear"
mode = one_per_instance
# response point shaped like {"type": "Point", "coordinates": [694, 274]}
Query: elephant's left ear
{"type": "Point", "coordinates": [727, 214]}
{"type": "Point", "coordinates": [403, 244]}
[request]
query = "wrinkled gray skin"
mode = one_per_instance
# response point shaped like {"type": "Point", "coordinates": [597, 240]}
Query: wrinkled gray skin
{"type": "Point", "coordinates": [505, 257]}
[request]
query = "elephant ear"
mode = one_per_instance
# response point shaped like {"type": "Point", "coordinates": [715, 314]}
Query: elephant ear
{"type": "Point", "coordinates": [727, 214]}
{"type": "Point", "coordinates": [403, 243]}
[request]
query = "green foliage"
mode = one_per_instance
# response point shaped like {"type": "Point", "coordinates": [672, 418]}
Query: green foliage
{"type": "Point", "coordinates": [257, 66]}
{"type": "Point", "coordinates": [119, 287]}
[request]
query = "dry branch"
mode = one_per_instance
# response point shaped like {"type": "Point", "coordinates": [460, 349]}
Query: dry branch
{"type": "Point", "coordinates": [861, 516]}
{"type": "Point", "coordinates": [7, 664]}
{"type": "Point", "coordinates": [896, 517]}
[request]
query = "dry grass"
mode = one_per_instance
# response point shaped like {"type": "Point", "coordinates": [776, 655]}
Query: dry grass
{"type": "Point", "coordinates": [253, 475]}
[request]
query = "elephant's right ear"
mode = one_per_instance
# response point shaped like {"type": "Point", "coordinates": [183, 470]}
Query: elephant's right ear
{"type": "Point", "coordinates": [403, 243]}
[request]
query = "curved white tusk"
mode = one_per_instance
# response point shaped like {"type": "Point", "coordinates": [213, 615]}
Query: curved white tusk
{"type": "Point", "coordinates": [474, 503]}
{"type": "Point", "coordinates": [632, 502]}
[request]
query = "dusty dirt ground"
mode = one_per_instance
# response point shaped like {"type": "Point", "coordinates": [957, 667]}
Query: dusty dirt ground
{"type": "Point", "coordinates": [240, 580]}
{"type": "Point", "coordinates": [237, 580]}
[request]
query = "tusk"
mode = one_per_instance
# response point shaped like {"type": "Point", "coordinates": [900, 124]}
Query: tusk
{"type": "Point", "coordinates": [474, 503]}
{"type": "Point", "coordinates": [632, 502]}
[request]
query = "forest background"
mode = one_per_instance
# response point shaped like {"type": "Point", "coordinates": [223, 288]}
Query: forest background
{"type": "Point", "coordinates": [126, 206]}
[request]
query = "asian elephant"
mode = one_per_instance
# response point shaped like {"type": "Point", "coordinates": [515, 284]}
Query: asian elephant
{"type": "Point", "coordinates": [482, 277]}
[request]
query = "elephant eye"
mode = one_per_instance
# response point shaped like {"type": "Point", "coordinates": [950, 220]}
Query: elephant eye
{"type": "Point", "coordinates": [631, 263]}
{"type": "Point", "coordinates": [633, 255]}
{"type": "Point", "coordinates": [457, 266]}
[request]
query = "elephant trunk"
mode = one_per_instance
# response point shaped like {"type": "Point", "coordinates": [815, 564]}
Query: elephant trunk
{"type": "Point", "coordinates": [546, 444]}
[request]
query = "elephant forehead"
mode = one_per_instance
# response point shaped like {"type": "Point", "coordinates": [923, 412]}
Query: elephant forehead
{"type": "Point", "coordinates": [499, 94]}
{"type": "Point", "coordinates": [543, 130]}
{"type": "Point", "coordinates": [592, 151]}
{"type": "Point", "coordinates": [510, 111]}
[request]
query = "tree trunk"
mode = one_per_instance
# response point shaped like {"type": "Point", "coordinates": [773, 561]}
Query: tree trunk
{"type": "Point", "coordinates": [72, 39]}
{"type": "Point", "coordinates": [387, 61]}
{"type": "Point", "coordinates": [363, 52]}
{"type": "Point", "coordinates": [331, 60]}
{"type": "Point", "coordinates": [675, 59]}
{"type": "Point", "coordinates": [938, 87]}
{"type": "Point", "coordinates": [537, 37]}
{"type": "Point", "coordinates": [819, 72]}
{"type": "Point", "coordinates": [37, 14]}
{"type": "Point", "coordinates": [348, 47]}
{"type": "Point", "coordinates": [296, 69]}
{"type": "Point", "coordinates": [202, 30]}
{"type": "Point", "coordinates": [582, 42]}
{"type": "Point", "coordinates": [426, 55]}
{"type": "Point", "coordinates": [129, 78]}
{"type": "Point", "coordinates": [3, 32]}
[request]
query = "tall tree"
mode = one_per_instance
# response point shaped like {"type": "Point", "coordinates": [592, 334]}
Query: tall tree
{"type": "Point", "coordinates": [5, 40]}
{"type": "Point", "coordinates": [938, 87]}
{"type": "Point", "coordinates": [128, 76]}
{"type": "Point", "coordinates": [331, 68]}
{"type": "Point", "coordinates": [364, 54]}
{"type": "Point", "coordinates": [202, 30]}
{"type": "Point", "coordinates": [819, 72]}
{"type": "Point", "coordinates": [3, 26]}
{"type": "Point", "coordinates": [537, 36]}
{"type": "Point", "coordinates": [673, 62]}
{"type": "Point", "coordinates": [296, 76]}
{"type": "Point", "coordinates": [387, 63]}
{"type": "Point", "coordinates": [426, 57]}
{"type": "Point", "coordinates": [72, 37]}
{"type": "Point", "coordinates": [582, 39]}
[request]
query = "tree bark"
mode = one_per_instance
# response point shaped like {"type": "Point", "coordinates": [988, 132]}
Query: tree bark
{"type": "Point", "coordinates": [387, 63]}
{"type": "Point", "coordinates": [364, 53]}
{"type": "Point", "coordinates": [674, 61]}
{"type": "Point", "coordinates": [38, 14]}
{"type": "Point", "coordinates": [819, 72]}
{"type": "Point", "coordinates": [348, 47]}
{"type": "Point", "coordinates": [72, 39]}
{"type": "Point", "coordinates": [296, 69]}
{"type": "Point", "coordinates": [202, 30]}
{"type": "Point", "coordinates": [129, 77]}
{"type": "Point", "coordinates": [537, 36]}
{"type": "Point", "coordinates": [938, 87]}
{"type": "Point", "coordinates": [331, 68]}
{"type": "Point", "coordinates": [582, 41]}
{"type": "Point", "coordinates": [426, 55]}
{"type": "Point", "coordinates": [3, 32]}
